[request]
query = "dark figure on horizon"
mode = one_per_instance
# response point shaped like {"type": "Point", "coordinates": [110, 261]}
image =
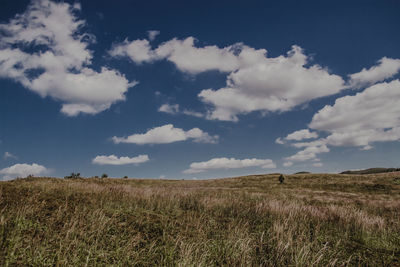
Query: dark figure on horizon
{"type": "Point", "coordinates": [281, 178]}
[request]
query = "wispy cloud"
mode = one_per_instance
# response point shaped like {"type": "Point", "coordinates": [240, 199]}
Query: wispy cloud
{"type": "Point", "coordinates": [175, 109]}
{"type": "Point", "coordinates": [8, 155]}
{"type": "Point", "coordinates": [153, 34]}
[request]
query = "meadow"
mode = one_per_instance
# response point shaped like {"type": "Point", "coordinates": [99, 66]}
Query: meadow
{"type": "Point", "coordinates": [309, 220]}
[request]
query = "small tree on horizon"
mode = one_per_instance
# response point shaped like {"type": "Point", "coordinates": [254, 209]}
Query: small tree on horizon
{"type": "Point", "coordinates": [104, 175]}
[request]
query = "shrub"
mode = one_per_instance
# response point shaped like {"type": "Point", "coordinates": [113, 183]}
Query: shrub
{"type": "Point", "coordinates": [73, 175]}
{"type": "Point", "coordinates": [104, 175]}
{"type": "Point", "coordinates": [281, 178]}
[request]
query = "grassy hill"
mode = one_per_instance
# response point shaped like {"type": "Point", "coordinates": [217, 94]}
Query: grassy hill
{"type": "Point", "coordinates": [311, 219]}
{"type": "Point", "coordinates": [372, 170]}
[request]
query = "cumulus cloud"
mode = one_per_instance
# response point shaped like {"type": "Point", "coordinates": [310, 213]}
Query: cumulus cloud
{"type": "Point", "coordinates": [114, 160]}
{"type": "Point", "coordinates": [23, 170]}
{"type": "Point", "coordinates": [183, 53]}
{"type": "Point", "coordinates": [318, 164]}
{"type": "Point", "coordinates": [228, 163]}
{"type": "Point", "coordinates": [139, 51]}
{"type": "Point", "coordinates": [372, 115]}
{"type": "Point", "coordinates": [191, 59]}
{"type": "Point", "coordinates": [297, 136]}
{"type": "Point", "coordinates": [255, 82]}
{"type": "Point", "coordinates": [46, 51]}
{"type": "Point", "coordinates": [360, 120]}
{"type": "Point", "coordinates": [301, 134]}
{"type": "Point", "coordinates": [310, 152]}
{"type": "Point", "coordinates": [167, 134]}
{"type": "Point", "coordinates": [271, 84]}
{"type": "Point", "coordinates": [168, 108]}
{"type": "Point", "coordinates": [8, 155]}
{"type": "Point", "coordinates": [386, 68]}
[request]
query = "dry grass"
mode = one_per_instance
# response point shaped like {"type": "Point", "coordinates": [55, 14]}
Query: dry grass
{"type": "Point", "coordinates": [310, 220]}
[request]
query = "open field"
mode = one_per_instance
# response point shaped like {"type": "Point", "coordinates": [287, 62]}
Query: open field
{"type": "Point", "coordinates": [311, 219]}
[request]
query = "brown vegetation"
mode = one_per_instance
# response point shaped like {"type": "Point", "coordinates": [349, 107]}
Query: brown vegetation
{"type": "Point", "coordinates": [311, 219]}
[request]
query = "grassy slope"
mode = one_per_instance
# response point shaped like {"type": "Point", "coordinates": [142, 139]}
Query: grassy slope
{"type": "Point", "coordinates": [372, 171]}
{"type": "Point", "coordinates": [312, 219]}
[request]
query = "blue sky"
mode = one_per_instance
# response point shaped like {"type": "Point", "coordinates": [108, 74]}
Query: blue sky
{"type": "Point", "coordinates": [185, 89]}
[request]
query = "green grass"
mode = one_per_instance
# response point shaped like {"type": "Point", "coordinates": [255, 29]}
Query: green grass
{"type": "Point", "coordinates": [310, 220]}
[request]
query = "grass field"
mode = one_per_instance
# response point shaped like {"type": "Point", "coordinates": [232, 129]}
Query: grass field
{"type": "Point", "coordinates": [310, 220]}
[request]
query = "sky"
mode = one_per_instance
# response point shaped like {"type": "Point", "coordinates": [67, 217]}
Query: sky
{"type": "Point", "coordinates": [198, 89]}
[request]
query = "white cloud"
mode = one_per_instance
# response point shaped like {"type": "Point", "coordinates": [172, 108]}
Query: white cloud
{"type": "Point", "coordinates": [297, 136]}
{"type": "Point", "coordinates": [372, 115]}
{"type": "Point", "coordinates": [318, 164]}
{"type": "Point", "coordinates": [367, 147]}
{"type": "Point", "coordinates": [168, 108]}
{"type": "Point", "coordinates": [228, 163]}
{"type": "Point", "coordinates": [23, 170]}
{"type": "Point", "coordinates": [301, 134]}
{"type": "Point", "coordinates": [386, 68]}
{"type": "Point", "coordinates": [271, 84]}
{"type": "Point", "coordinates": [8, 155]}
{"type": "Point", "coordinates": [191, 59]}
{"type": "Point", "coordinates": [167, 134]}
{"type": "Point", "coordinates": [153, 34]}
{"type": "Point", "coordinates": [287, 164]}
{"type": "Point", "coordinates": [255, 82]}
{"type": "Point", "coordinates": [175, 109]}
{"type": "Point", "coordinates": [182, 53]}
{"type": "Point", "coordinates": [193, 113]}
{"type": "Point", "coordinates": [139, 51]}
{"type": "Point", "coordinates": [77, 6]}
{"type": "Point", "coordinates": [367, 117]}
{"type": "Point", "coordinates": [311, 150]}
{"type": "Point", "coordinates": [114, 160]}
{"type": "Point", "coordinates": [318, 142]}
{"type": "Point", "coordinates": [59, 66]}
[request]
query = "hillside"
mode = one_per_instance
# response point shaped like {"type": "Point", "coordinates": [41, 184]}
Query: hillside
{"type": "Point", "coordinates": [372, 171]}
{"type": "Point", "coordinates": [311, 219]}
